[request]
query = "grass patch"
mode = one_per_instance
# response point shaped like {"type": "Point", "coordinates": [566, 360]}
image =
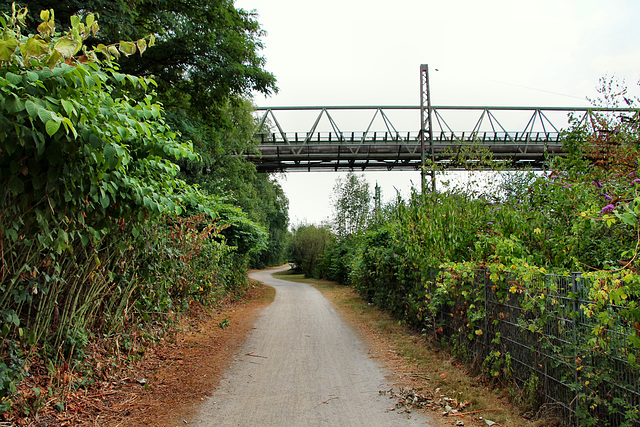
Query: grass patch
{"type": "Point", "coordinates": [419, 362]}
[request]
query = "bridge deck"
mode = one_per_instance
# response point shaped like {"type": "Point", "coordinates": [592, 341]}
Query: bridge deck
{"type": "Point", "coordinates": [531, 146]}
{"type": "Point", "coordinates": [383, 150]}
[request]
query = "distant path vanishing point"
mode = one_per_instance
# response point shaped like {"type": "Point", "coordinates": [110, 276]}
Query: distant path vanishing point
{"type": "Point", "coordinates": [301, 366]}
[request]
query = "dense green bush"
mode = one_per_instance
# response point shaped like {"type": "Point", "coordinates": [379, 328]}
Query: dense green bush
{"type": "Point", "coordinates": [97, 232]}
{"type": "Point", "coordinates": [422, 261]}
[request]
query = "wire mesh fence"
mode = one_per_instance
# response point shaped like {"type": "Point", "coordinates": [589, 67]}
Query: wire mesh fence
{"type": "Point", "coordinates": [562, 349]}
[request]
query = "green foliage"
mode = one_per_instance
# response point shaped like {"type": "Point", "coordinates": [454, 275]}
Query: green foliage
{"type": "Point", "coordinates": [220, 169]}
{"type": "Point", "coordinates": [74, 139]}
{"type": "Point", "coordinates": [98, 233]}
{"type": "Point", "coordinates": [308, 246]}
{"type": "Point", "coordinates": [204, 58]}
{"type": "Point", "coordinates": [178, 259]}
{"type": "Point", "coordinates": [206, 50]}
{"type": "Point", "coordinates": [437, 260]}
{"type": "Point", "coordinates": [351, 205]}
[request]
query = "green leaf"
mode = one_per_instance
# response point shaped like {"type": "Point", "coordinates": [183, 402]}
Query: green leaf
{"type": "Point", "coordinates": [33, 76]}
{"type": "Point", "coordinates": [52, 127]}
{"type": "Point", "coordinates": [95, 141]}
{"type": "Point", "coordinates": [122, 132]}
{"type": "Point", "coordinates": [13, 104]}
{"type": "Point", "coordinates": [32, 108]}
{"type": "Point", "coordinates": [34, 46]}
{"type": "Point", "coordinates": [68, 126]}
{"type": "Point", "coordinates": [13, 78]}
{"type": "Point", "coordinates": [16, 185]}
{"type": "Point", "coordinates": [84, 239]}
{"type": "Point", "coordinates": [104, 201]}
{"type": "Point", "coordinates": [67, 46]}
{"type": "Point", "coordinates": [133, 79]}
{"type": "Point", "coordinates": [111, 155]}
{"type": "Point", "coordinates": [53, 58]}
{"type": "Point", "coordinates": [13, 234]}
{"type": "Point", "coordinates": [142, 45]}
{"type": "Point", "coordinates": [128, 48]}
{"type": "Point", "coordinates": [629, 218]}
{"type": "Point", "coordinates": [113, 51]}
{"type": "Point", "coordinates": [45, 115]}
{"type": "Point", "coordinates": [8, 46]}
{"type": "Point", "coordinates": [68, 107]}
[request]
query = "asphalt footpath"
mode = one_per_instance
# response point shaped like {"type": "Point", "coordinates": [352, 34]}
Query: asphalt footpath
{"type": "Point", "coordinates": [301, 366]}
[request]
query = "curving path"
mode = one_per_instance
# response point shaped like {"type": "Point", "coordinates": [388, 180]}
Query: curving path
{"type": "Point", "coordinates": [301, 366]}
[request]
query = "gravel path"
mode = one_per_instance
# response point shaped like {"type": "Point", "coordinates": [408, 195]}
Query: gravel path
{"type": "Point", "coordinates": [301, 366]}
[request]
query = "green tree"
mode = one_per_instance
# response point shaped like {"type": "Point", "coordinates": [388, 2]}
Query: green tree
{"type": "Point", "coordinates": [206, 50]}
{"type": "Point", "coordinates": [351, 204]}
{"type": "Point", "coordinates": [308, 246]}
{"type": "Point", "coordinates": [205, 62]}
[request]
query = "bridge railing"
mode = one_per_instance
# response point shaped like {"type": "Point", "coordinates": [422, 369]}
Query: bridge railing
{"type": "Point", "coordinates": [476, 120]}
{"type": "Point", "coordinates": [408, 137]}
{"type": "Point", "coordinates": [386, 136]}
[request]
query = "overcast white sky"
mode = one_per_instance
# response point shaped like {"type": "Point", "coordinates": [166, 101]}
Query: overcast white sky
{"type": "Point", "coordinates": [490, 52]}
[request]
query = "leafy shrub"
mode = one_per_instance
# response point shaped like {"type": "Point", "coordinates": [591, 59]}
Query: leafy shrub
{"type": "Point", "coordinates": [91, 232]}
{"type": "Point", "coordinates": [435, 259]}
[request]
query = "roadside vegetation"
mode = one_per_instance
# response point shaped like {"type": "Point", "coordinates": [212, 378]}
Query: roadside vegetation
{"type": "Point", "coordinates": [123, 201]}
{"type": "Point", "coordinates": [474, 267]}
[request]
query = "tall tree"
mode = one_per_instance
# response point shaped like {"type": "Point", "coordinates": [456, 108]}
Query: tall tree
{"type": "Point", "coordinates": [308, 245]}
{"type": "Point", "coordinates": [351, 204]}
{"type": "Point", "coordinates": [205, 52]}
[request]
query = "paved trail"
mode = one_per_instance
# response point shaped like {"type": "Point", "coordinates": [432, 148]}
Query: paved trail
{"type": "Point", "coordinates": [301, 366]}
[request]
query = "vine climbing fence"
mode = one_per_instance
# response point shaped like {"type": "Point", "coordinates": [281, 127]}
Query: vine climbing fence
{"type": "Point", "coordinates": [569, 351]}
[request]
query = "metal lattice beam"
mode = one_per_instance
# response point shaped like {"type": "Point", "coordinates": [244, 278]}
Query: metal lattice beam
{"type": "Point", "coordinates": [521, 135]}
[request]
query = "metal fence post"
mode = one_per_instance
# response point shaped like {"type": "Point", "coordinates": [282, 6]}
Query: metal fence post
{"type": "Point", "coordinates": [486, 311]}
{"type": "Point", "coordinates": [575, 313]}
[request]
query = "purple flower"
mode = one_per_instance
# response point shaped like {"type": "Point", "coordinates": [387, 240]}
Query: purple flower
{"type": "Point", "coordinates": [607, 209]}
{"type": "Point", "coordinates": [637, 180]}
{"type": "Point", "coordinates": [606, 197]}
{"type": "Point", "coordinates": [597, 184]}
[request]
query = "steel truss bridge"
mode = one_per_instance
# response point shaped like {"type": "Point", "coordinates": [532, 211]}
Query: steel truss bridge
{"type": "Point", "coordinates": [447, 136]}
{"type": "Point", "coordinates": [371, 137]}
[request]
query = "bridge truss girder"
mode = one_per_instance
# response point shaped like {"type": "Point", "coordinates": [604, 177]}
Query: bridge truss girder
{"type": "Point", "coordinates": [537, 135]}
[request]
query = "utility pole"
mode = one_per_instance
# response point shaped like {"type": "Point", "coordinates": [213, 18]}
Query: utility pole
{"type": "Point", "coordinates": [377, 203]}
{"type": "Point", "coordinates": [426, 130]}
